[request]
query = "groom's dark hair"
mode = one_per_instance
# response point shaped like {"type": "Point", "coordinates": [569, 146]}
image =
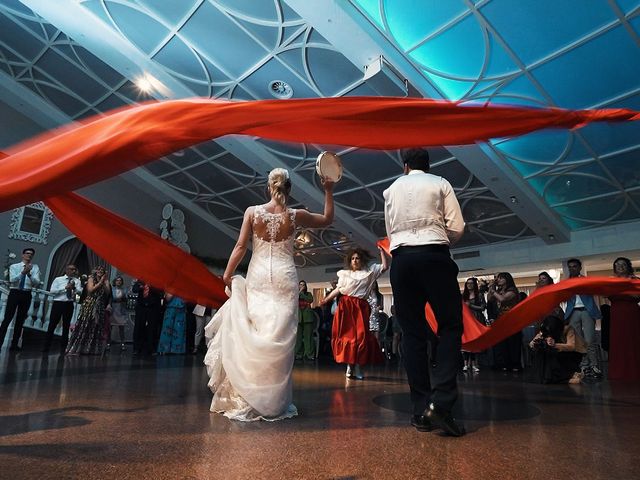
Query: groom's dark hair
{"type": "Point", "coordinates": [416, 159]}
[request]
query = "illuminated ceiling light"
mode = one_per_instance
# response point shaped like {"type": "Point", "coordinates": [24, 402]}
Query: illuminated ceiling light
{"type": "Point", "coordinates": [148, 84]}
{"type": "Point", "coordinates": [144, 84]}
{"type": "Point", "coordinates": [303, 239]}
{"type": "Point", "coordinates": [280, 89]}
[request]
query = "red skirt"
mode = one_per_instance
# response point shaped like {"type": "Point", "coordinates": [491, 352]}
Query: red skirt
{"type": "Point", "coordinates": [351, 340]}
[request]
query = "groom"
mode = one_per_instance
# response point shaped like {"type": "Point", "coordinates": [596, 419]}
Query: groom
{"type": "Point", "coordinates": [423, 217]}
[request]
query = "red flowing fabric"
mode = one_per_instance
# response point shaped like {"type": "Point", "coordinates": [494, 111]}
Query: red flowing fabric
{"type": "Point", "coordinates": [137, 251]}
{"type": "Point", "coordinates": [473, 329]}
{"type": "Point", "coordinates": [74, 157]}
{"type": "Point", "coordinates": [477, 337]}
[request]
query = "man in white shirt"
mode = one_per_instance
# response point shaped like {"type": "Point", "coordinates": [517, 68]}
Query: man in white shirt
{"type": "Point", "coordinates": [423, 217]}
{"type": "Point", "coordinates": [63, 289]}
{"type": "Point", "coordinates": [23, 276]}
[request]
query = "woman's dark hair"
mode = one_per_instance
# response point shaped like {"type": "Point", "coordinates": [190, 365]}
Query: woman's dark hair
{"type": "Point", "coordinates": [545, 274]}
{"type": "Point", "coordinates": [305, 284]}
{"type": "Point", "coordinates": [94, 273]}
{"type": "Point", "coordinates": [116, 279]}
{"type": "Point", "coordinates": [627, 263]}
{"type": "Point", "coordinates": [364, 255]}
{"type": "Point", "coordinates": [553, 327]}
{"type": "Point", "coordinates": [466, 293]}
{"type": "Point", "coordinates": [511, 284]}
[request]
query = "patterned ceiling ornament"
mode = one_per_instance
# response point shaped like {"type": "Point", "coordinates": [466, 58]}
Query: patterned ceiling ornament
{"type": "Point", "coordinates": [172, 227]}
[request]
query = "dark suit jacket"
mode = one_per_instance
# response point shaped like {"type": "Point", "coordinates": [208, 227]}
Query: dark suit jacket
{"type": "Point", "coordinates": [153, 301]}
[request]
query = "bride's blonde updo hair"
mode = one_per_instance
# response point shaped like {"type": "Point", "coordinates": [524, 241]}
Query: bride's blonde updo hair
{"type": "Point", "coordinates": [279, 185]}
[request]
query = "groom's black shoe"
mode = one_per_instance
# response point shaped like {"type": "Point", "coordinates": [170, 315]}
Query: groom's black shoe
{"type": "Point", "coordinates": [421, 423]}
{"type": "Point", "coordinates": [443, 419]}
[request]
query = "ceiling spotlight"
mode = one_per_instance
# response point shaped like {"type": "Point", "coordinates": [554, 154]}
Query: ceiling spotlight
{"type": "Point", "coordinates": [303, 239]}
{"type": "Point", "coordinates": [147, 83]}
{"type": "Point", "coordinates": [513, 199]}
{"type": "Point", "coordinates": [280, 89]}
{"type": "Point", "coordinates": [144, 84]}
{"type": "Point", "coordinates": [552, 236]}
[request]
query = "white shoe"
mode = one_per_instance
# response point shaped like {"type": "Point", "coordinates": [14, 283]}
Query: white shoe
{"type": "Point", "coordinates": [476, 369]}
{"type": "Point", "coordinates": [465, 368]}
{"type": "Point", "coordinates": [359, 375]}
{"type": "Point", "coordinates": [349, 373]}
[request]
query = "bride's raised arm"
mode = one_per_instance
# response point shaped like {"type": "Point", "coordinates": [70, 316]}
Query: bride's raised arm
{"type": "Point", "coordinates": [305, 218]}
{"type": "Point", "coordinates": [240, 248]}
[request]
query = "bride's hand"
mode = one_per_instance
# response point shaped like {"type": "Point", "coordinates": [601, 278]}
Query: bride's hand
{"type": "Point", "coordinates": [226, 278]}
{"type": "Point", "coordinates": [327, 184]}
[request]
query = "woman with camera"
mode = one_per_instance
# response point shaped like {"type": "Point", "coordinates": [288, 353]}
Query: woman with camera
{"type": "Point", "coordinates": [557, 352]}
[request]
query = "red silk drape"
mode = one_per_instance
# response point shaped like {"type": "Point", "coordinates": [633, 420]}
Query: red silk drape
{"type": "Point", "coordinates": [70, 158]}
{"type": "Point", "coordinates": [138, 252]}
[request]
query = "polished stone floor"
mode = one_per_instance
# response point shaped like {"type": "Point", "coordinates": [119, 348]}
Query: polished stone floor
{"type": "Point", "coordinates": [122, 417]}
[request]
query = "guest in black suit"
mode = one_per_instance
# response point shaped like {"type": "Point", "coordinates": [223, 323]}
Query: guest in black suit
{"type": "Point", "coordinates": [146, 330]}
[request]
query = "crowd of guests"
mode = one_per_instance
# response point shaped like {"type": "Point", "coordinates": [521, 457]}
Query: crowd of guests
{"type": "Point", "coordinates": [163, 323]}
{"type": "Point", "coordinates": [563, 347]}
{"type": "Point", "coordinates": [349, 323]}
{"type": "Point", "coordinates": [560, 348]}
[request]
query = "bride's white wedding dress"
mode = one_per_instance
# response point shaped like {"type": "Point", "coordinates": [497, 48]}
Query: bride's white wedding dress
{"type": "Point", "coordinates": [251, 338]}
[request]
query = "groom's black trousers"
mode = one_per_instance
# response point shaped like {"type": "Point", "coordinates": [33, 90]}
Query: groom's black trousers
{"type": "Point", "coordinates": [419, 275]}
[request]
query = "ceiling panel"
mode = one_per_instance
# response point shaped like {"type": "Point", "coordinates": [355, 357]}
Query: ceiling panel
{"type": "Point", "coordinates": [495, 51]}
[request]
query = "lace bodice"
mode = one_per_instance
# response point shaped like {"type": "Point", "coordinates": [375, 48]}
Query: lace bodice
{"type": "Point", "coordinates": [273, 231]}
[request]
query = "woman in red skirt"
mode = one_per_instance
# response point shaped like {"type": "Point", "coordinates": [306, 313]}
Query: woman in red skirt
{"type": "Point", "coordinates": [351, 341]}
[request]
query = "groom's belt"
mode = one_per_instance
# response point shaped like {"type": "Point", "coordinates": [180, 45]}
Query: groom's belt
{"type": "Point", "coordinates": [433, 248]}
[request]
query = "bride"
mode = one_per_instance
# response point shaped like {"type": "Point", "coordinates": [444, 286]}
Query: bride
{"type": "Point", "coordinates": [251, 338]}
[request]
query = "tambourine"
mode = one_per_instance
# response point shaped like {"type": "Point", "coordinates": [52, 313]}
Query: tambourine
{"type": "Point", "coordinates": [329, 166]}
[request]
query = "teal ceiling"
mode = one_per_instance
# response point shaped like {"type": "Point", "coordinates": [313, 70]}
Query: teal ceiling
{"type": "Point", "coordinates": [561, 53]}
